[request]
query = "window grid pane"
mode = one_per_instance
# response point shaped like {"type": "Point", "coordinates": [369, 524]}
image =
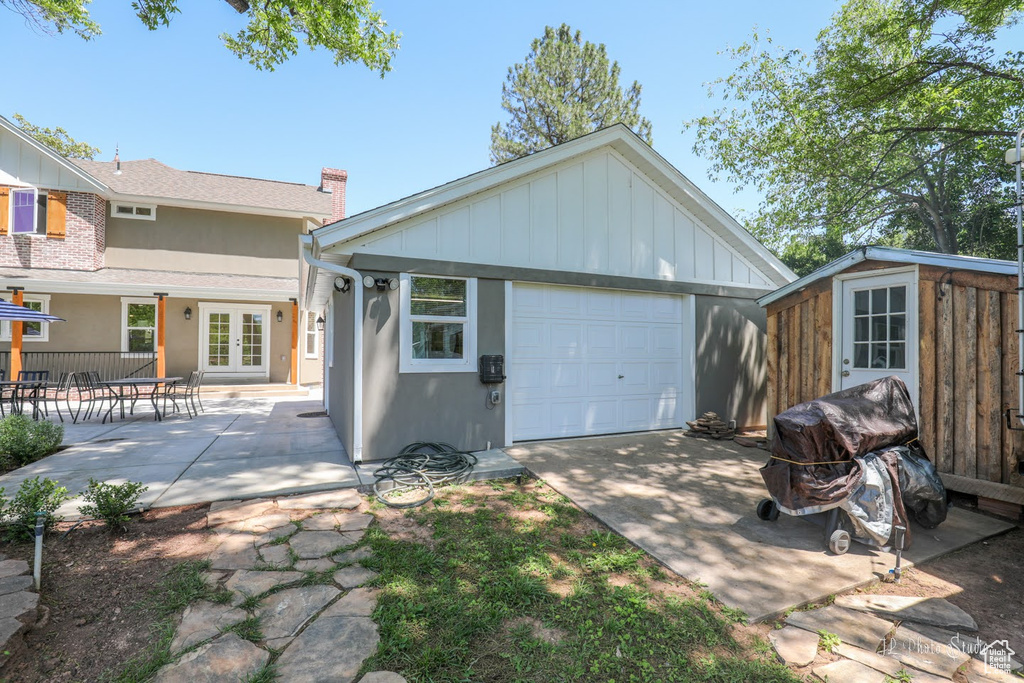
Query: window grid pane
{"type": "Point", "coordinates": [880, 318]}
{"type": "Point", "coordinates": [437, 340]}
{"type": "Point", "coordinates": [437, 296]}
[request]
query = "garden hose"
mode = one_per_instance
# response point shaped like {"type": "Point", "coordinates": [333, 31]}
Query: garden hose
{"type": "Point", "coordinates": [422, 466]}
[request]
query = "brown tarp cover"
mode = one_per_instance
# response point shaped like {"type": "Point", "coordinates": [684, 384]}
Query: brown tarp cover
{"type": "Point", "coordinates": [835, 429]}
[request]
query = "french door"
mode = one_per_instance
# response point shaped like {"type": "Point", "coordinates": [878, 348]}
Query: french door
{"type": "Point", "coordinates": [234, 340]}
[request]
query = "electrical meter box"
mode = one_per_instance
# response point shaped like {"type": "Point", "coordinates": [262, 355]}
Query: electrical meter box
{"type": "Point", "coordinates": [492, 369]}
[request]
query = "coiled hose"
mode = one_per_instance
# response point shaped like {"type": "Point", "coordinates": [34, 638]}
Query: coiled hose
{"type": "Point", "coordinates": [421, 466]}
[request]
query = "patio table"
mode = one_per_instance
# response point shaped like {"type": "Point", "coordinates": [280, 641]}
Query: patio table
{"type": "Point", "coordinates": [23, 390]}
{"type": "Point", "coordinates": [128, 389]}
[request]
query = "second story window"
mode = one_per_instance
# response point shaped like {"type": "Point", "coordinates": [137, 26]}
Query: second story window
{"type": "Point", "coordinates": [28, 212]}
{"type": "Point", "coordinates": [142, 212]}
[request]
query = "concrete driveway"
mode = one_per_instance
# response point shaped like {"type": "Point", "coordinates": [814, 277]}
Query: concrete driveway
{"type": "Point", "coordinates": [691, 504]}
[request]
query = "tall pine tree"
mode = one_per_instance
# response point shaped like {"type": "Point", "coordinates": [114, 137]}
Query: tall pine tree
{"type": "Point", "coordinates": [564, 89]}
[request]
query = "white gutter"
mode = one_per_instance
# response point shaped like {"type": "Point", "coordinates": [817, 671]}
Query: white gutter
{"type": "Point", "coordinates": [306, 242]}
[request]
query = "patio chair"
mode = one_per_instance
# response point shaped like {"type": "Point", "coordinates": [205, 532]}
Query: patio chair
{"type": "Point", "coordinates": [35, 395]}
{"type": "Point", "coordinates": [59, 390]}
{"type": "Point", "coordinates": [5, 393]}
{"type": "Point", "coordinates": [187, 393]}
{"type": "Point", "coordinates": [86, 386]}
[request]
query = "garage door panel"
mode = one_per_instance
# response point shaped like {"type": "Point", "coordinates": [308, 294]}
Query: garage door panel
{"type": "Point", "coordinates": [593, 361]}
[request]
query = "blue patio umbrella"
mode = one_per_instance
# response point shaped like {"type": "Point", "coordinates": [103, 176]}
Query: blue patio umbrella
{"type": "Point", "coordinates": [9, 311]}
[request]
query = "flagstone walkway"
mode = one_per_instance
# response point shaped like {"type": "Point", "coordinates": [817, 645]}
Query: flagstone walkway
{"type": "Point", "coordinates": [295, 599]}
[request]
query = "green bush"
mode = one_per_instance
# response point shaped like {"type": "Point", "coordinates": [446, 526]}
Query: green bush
{"type": "Point", "coordinates": [111, 502]}
{"type": "Point", "coordinates": [19, 514]}
{"type": "Point", "coordinates": [24, 440]}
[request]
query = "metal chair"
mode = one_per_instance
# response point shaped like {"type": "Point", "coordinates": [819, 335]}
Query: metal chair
{"type": "Point", "coordinates": [34, 394]}
{"type": "Point", "coordinates": [187, 393]}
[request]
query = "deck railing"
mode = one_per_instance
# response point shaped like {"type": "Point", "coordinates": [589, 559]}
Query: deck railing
{"type": "Point", "coordinates": [109, 364]}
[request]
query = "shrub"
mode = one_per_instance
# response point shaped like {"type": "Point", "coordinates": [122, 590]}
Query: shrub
{"type": "Point", "coordinates": [111, 502]}
{"type": "Point", "coordinates": [24, 440]}
{"type": "Point", "coordinates": [19, 514]}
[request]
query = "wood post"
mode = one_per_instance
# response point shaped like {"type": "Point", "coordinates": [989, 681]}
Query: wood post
{"type": "Point", "coordinates": [295, 342]}
{"type": "Point", "coordinates": [161, 335]}
{"type": "Point", "coordinates": [17, 330]}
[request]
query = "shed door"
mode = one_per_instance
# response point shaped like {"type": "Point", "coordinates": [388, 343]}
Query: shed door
{"type": "Point", "coordinates": [879, 330]}
{"type": "Point", "coordinates": [594, 361]}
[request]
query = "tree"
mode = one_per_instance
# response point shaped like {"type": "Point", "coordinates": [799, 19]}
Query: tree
{"type": "Point", "coordinates": [564, 89]}
{"type": "Point", "coordinates": [351, 29]}
{"type": "Point", "coordinates": [892, 130]}
{"type": "Point", "coordinates": [58, 140]}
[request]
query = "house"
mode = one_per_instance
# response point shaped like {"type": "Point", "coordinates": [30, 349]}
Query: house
{"type": "Point", "coordinates": [944, 324]}
{"type": "Point", "coordinates": [616, 295]}
{"type": "Point", "coordinates": [157, 271]}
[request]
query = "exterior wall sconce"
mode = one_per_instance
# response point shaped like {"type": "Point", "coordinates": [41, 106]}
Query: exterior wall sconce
{"type": "Point", "coordinates": [280, 316]}
{"type": "Point", "coordinates": [381, 283]}
{"type": "Point", "coordinates": [342, 284]}
{"type": "Point", "coordinates": [320, 323]}
{"type": "Point", "coordinates": [188, 313]}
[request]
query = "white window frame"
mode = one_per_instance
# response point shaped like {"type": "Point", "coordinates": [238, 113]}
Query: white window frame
{"type": "Point", "coordinates": [36, 194]}
{"type": "Point", "coordinates": [134, 215]}
{"type": "Point", "coordinates": [125, 300]}
{"type": "Point", "coordinates": [44, 328]}
{"type": "Point", "coordinates": [409, 364]}
{"type": "Point", "coordinates": [316, 338]}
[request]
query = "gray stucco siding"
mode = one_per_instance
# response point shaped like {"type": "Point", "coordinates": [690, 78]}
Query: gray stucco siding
{"type": "Point", "coordinates": [400, 408]}
{"type": "Point", "coordinates": [731, 357]}
{"type": "Point", "coordinates": [341, 381]}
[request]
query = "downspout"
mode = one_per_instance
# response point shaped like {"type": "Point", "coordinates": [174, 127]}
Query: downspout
{"type": "Point", "coordinates": [357, 340]}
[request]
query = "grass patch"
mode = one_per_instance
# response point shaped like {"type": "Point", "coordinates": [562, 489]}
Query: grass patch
{"type": "Point", "coordinates": [183, 585]}
{"type": "Point", "coordinates": [264, 675]}
{"type": "Point", "coordinates": [247, 629]}
{"type": "Point", "coordinates": [497, 598]}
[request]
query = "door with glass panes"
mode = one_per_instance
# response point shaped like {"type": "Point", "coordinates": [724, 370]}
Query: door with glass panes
{"type": "Point", "coordinates": [235, 340]}
{"type": "Point", "coordinates": [879, 329]}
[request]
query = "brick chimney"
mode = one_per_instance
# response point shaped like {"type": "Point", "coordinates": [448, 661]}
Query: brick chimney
{"type": "Point", "coordinates": [333, 180]}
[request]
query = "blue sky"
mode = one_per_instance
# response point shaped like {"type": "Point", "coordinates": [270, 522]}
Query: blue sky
{"type": "Point", "coordinates": [179, 96]}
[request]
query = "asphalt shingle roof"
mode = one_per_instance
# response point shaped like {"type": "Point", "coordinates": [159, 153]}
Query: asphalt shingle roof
{"type": "Point", "coordinates": [151, 178]}
{"type": "Point", "coordinates": [154, 278]}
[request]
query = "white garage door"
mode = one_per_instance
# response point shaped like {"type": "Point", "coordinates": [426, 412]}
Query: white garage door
{"type": "Point", "coordinates": [594, 361]}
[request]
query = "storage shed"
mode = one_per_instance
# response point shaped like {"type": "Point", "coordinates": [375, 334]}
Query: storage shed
{"type": "Point", "coordinates": [944, 324]}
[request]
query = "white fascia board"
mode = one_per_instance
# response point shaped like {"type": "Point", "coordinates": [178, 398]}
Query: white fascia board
{"type": "Point", "coordinates": [51, 154]}
{"type": "Point", "coordinates": [404, 209]}
{"type": "Point", "coordinates": [121, 289]}
{"type": "Point", "coordinates": [210, 206]}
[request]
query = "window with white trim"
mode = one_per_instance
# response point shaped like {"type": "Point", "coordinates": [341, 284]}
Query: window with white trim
{"type": "Point", "coordinates": [138, 325]}
{"type": "Point", "coordinates": [27, 211]}
{"type": "Point", "coordinates": [30, 331]}
{"type": "Point", "coordinates": [312, 336]}
{"type": "Point", "coordinates": [438, 317]}
{"type": "Point", "coordinates": [142, 212]}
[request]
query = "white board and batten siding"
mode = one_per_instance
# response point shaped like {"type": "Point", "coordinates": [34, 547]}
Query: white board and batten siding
{"type": "Point", "coordinates": [594, 214]}
{"type": "Point", "coordinates": [23, 164]}
{"type": "Point", "coordinates": [586, 361]}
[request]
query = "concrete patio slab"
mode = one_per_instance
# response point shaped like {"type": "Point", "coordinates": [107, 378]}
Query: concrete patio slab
{"type": "Point", "coordinates": [691, 503]}
{"type": "Point", "coordinates": [230, 445]}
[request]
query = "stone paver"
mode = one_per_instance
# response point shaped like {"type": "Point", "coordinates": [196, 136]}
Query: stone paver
{"type": "Point", "coordinates": [382, 677]}
{"type": "Point", "coordinates": [855, 628]}
{"type": "Point", "coordinates": [313, 544]}
{"type": "Point", "coordinates": [352, 556]}
{"type": "Point", "coordinates": [245, 583]}
{"type": "Point", "coordinates": [238, 511]}
{"type": "Point", "coordinates": [18, 604]}
{"type": "Point", "coordinates": [931, 611]}
{"type": "Point", "coordinates": [235, 551]}
{"type": "Point", "coordinates": [354, 522]}
{"type": "Point", "coordinates": [353, 537]}
{"type": "Point", "coordinates": [261, 524]}
{"type": "Point", "coordinates": [13, 568]}
{"type": "Point", "coordinates": [848, 671]}
{"type": "Point", "coordinates": [359, 602]}
{"type": "Point", "coordinates": [978, 672]}
{"type": "Point", "coordinates": [284, 613]}
{"type": "Point", "coordinates": [204, 620]}
{"type": "Point", "coordinates": [276, 555]}
{"type": "Point", "coordinates": [793, 645]}
{"type": "Point", "coordinates": [315, 655]}
{"type": "Point", "coordinates": [228, 658]}
{"type": "Point", "coordinates": [13, 584]}
{"type": "Point", "coordinates": [921, 652]}
{"type": "Point", "coordinates": [321, 564]}
{"type": "Point", "coordinates": [274, 534]}
{"type": "Point", "coordinates": [325, 521]}
{"type": "Point", "coordinates": [355, 576]}
{"type": "Point", "coordinates": [344, 499]}
{"type": "Point", "coordinates": [886, 665]}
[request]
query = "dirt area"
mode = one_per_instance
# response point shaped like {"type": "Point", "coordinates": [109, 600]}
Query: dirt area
{"type": "Point", "coordinates": [95, 588]}
{"type": "Point", "coordinates": [96, 585]}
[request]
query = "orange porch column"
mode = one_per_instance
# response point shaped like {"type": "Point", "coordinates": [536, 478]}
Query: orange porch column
{"type": "Point", "coordinates": [295, 342]}
{"type": "Point", "coordinates": [17, 329]}
{"type": "Point", "coordinates": [161, 335]}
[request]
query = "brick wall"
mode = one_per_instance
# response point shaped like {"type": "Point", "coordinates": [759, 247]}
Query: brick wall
{"type": "Point", "coordinates": [81, 249]}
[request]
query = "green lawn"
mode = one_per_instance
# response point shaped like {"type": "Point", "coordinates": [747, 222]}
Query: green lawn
{"type": "Point", "coordinates": [507, 583]}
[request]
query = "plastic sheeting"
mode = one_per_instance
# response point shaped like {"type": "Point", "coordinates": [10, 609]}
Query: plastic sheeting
{"type": "Point", "coordinates": [847, 450]}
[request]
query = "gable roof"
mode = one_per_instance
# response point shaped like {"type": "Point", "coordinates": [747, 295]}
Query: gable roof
{"type": "Point", "coordinates": [619, 138]}
{"type": "Point", "coordinates": [892, 255]}
{"type": "Point", "coordinates": [12, 155]}
{"type": "Point", "coordinates": [153, 180]}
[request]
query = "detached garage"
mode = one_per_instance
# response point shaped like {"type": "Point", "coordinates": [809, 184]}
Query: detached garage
{"type": "Point", "coordinates": [586, 289]}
